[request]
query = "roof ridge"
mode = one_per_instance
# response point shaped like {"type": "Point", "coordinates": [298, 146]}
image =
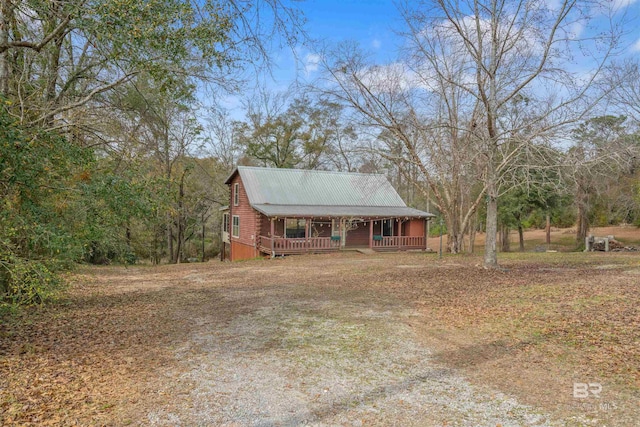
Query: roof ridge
{"type": "Point", "coordinates": [337, 206]}
{"type": "Point", "coordinates": [311, 170]}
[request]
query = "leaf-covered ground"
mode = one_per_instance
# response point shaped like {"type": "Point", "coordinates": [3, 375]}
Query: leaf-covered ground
{"type": "Point", "coordinates": [122, 347]}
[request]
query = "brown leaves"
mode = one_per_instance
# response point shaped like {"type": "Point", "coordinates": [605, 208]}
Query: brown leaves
{"type": "Point", "coordinates": [95, 358]}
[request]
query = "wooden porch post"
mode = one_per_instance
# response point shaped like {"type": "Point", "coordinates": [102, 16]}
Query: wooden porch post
{"type": "Point", "coordinates": [399, 234]}
{"type": "Point", "coordinates": [370, 233]}
{"type": "Point", "coordinates": [273, 237]}
{"type": "Point", "coordinates": [307, 227]}
{"type": "Point", "coordinates": [426, 234]}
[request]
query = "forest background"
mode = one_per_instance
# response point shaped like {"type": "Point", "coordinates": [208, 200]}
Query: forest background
{"type": "Point", "coordinates": [116, 134]}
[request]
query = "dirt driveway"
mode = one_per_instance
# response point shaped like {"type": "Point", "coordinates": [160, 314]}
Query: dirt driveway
{"type": "Point", "coordinates": [324, 340]}
{"type": "Point", "coordinates": [292, 356]}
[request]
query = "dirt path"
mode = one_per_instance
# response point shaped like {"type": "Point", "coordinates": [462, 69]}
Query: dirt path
{"type": "Point", "coordinates": [288, 355]}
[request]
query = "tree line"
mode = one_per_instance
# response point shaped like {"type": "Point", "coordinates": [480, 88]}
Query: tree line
{"type": "Point", "coordinates": [107, 153]}
{"type": "Point", "coordinates": [102, 155]}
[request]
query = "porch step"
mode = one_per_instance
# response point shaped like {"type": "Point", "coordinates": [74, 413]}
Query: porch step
{"type": "Point", "coordinates": [366, 251]}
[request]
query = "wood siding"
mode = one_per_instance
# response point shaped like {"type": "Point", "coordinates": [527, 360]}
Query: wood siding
{"type": "Point", "coordinates": [243, 246]}
{"type": "Point", "coordinates": [321, 227]}
{"type": "Point", "coordinates": [265, 226]}
{"type": "Point", "coordinates": [414, 227]}
{"type": "Point", "coordinates": [240, 251]}
{"type": "Point", "coordinates": [359, 236]}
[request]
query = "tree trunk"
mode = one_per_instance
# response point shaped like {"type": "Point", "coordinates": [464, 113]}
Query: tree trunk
{"type": "Point", "coordinates": [490, 246]}
{"type": "Point", "coordinates": [547, 229]}
{"type": "Point", "coordinates": [203, 230]}
{"type": "Point", "coordinates": [179, 242]}
{"type": "Point", "coordinates": [473, 228]}
{"type": "Point", "coordinates": [157, 238]}
{"type": "Point", "coordinates": [504, 239]}
{"type": "Point", "coordinates": [180, 221]}
{"type": "Point", "coordinates": [455, 236]}
{"type": "Point", "coordinates": [53, 66]}
{"type": "Point", "coordinates": [455, 242]}
{"type": "Point", "coordinates": [5, 12]}
{"type": "Point", "coordinates": [521, 236]}
{"type": "Point", "coordinates": [489, 99]}
{"type": "Point", "coordinates": [170, 237]}
{"type": "Point", "coordinates": [582, 227]}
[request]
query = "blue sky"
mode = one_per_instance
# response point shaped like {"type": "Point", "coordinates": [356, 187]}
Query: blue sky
{"type": "Point", "coordinates": [369, 22]}
{"type": "Point", "coordinates": [372, 24]}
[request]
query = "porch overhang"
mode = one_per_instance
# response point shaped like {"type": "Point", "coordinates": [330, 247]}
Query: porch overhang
{"type": "Point", "coordinates": [309, 211]}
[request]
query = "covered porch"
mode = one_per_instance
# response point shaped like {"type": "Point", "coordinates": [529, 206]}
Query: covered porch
{"type": "Point", "coordinates": [298, 235]}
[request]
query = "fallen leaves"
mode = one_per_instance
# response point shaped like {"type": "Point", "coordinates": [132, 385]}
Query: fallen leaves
{"type": "Point", "coordinates": [93, 358]}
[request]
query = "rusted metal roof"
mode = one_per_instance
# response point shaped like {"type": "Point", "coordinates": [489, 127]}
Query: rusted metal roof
{"type": "Point", "coordinates": [300, 192]}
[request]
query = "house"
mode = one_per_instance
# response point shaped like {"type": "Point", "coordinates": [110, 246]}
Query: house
{"type": "Point", "coordinates": [291, 211]}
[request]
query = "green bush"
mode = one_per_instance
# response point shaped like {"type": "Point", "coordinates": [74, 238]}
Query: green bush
{"type": "Point", "coordinates": [26, 282]}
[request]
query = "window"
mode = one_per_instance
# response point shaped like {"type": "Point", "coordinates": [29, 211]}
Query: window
{"type": "Point", "coordinates": [236, 194]}
{"type": "Point", "coordinates": [225, 223]}
{"type": "Point", "coordinates": [387, 227]}
{"type": "Point", "coordinates": [235, 232]}
{"type": "Point", "coordinates": [295, 228]}
{"type": "Point", "coordinates": [335, 227]}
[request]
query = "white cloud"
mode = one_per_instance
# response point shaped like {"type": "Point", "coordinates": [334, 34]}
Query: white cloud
{"type": "Point", "coordinates": [621, 4]}
{"type": "Point", "coordinates": [576, 29]}
{"type": "Point", "coordinates": [636, 46]}
{"type": "Point", "coordinates": [607, 8]}
{"type": "Point", "coordinates": [376, 44]}
{"type": "Point", "coordinates": [311, 63]}
{"type": "Point", "coordinates": [389, 78]}
{"type": "Point", "coordinates": [553, 4]}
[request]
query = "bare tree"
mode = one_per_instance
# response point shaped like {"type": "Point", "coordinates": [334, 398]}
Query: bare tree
{"type": "Point", "coordinates": [493, 77]}
{"type": "Point", "coordinates": [604, 154]}
{"type": "Point", "coordinates": [625, 84]}
{"type": "Point", "coordinates": [221, 140]}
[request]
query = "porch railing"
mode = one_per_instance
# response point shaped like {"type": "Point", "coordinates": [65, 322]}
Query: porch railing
{"type": "Point", "coordinates": [401, 242]}
{"type": "Point", "coordinates": [282, 245]}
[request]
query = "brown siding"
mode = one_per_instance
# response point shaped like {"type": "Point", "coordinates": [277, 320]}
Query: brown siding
{"type": "Point", "coordinates": [414, 227]}
{"type": "Point", "coordinates": [265, 226]}
{"type": "Point", "coordinates": [243, 247]}
{"type": "Point", "coordinates": [279, 227]}
{"type": "Point", "coordinates": [322, 227]}
{"type": "Point", "coordinates": [359, 236]}
{"type": "Point", "coordinates": [377, 227]}
{"type": "Point", "coordinates": [240, 251]}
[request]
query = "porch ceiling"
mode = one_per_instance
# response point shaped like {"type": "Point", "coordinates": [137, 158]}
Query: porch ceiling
{"type": "Point", "coordinates": [307, 211]}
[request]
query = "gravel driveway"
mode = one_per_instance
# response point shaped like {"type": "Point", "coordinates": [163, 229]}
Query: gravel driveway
{"type": "Point", "coordinates": [279, 356]}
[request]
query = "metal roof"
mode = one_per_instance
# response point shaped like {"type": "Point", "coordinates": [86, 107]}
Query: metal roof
{"type": "Point", "coordinates": [341, 211]}
{"type": "Point", "coordinates": [299, 192]}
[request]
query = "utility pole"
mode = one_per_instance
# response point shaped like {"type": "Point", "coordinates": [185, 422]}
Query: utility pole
{"type": "Point", "coordinates": [440, 256]}
{"type": "Point", "coordinates": [428, 210]}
